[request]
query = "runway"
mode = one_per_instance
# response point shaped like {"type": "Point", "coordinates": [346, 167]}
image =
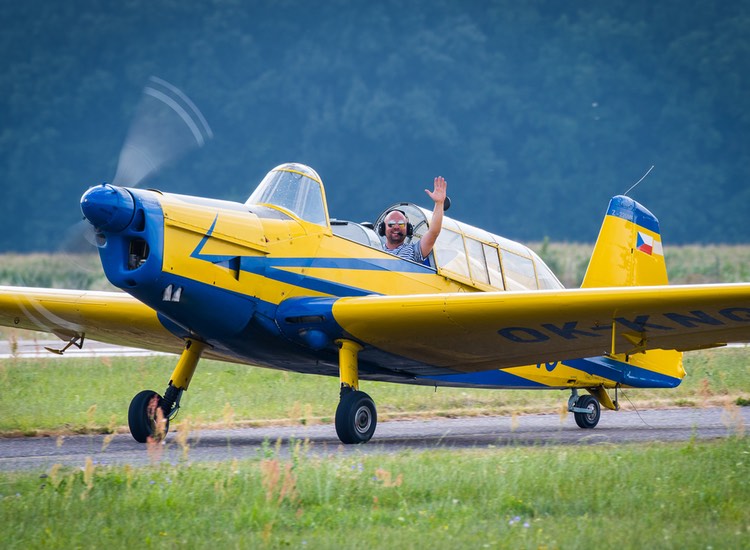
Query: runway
{"type": "Point", "coordinates": [615, 428]}
{"type": "Point", "coordinates": [35, 349]}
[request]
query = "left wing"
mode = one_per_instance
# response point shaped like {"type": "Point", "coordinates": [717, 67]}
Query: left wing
{"type": "Point", "coordinates": [112, 317]}
{"type": "Point", "coordinates": [482, 331]}
{"type": "Point", "coordinates": [465, 332]}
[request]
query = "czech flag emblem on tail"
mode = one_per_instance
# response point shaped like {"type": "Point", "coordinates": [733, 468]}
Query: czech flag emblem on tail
{"type": "Point", "coordinates": [649, 245]}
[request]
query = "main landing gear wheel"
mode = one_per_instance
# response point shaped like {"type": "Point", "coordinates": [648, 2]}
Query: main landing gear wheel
{"type": "Point", "coordinates": [590, 418]}
{"type": "Point", "coordinates": [146, 418]}
{"type": "Point", "coordinates": [356, 418]}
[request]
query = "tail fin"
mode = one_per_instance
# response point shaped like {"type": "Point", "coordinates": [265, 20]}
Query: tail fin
{"type": "Point", "coordinates": [628, 252]}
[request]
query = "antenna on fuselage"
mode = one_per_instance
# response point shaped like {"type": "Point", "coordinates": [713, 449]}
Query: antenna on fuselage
{"type": "Point", "coordinates": [643, 177]}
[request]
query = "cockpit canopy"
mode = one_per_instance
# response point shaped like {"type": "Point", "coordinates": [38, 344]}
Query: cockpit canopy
{"type": "Point", "coordinates": [477, 257]}
{"type": "Point", "coordinates": [295, 188]}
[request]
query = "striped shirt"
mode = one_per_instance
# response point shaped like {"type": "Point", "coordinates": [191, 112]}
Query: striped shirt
{"type": "Point", "coordinates": [408, 251]}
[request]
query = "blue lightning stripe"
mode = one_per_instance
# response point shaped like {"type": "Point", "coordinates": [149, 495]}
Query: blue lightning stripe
{"type": "Point", "coordinates": [254, 263]}
{"type": "Point", "coordinates": [305, 281]}
{"type": "Point", "coordinates": [274, 268]}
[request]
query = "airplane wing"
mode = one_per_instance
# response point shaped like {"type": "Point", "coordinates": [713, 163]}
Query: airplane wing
{"type": "Point", "coordinates": [111, 317]}
{"type": "Point", "coordinates": [480, 331]}
{"type": "Point", "coordinates": [463, 331]}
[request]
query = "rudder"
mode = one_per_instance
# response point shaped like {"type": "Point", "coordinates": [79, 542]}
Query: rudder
{"type": "Point", "coordinates": [629, 252]}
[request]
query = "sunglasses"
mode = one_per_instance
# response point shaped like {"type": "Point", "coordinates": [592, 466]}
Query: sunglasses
{"type": "Point", "coordinates": [400, 224]}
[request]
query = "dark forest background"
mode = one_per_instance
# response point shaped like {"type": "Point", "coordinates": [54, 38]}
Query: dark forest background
{"type": "Point", "coordinates": [536, 112]}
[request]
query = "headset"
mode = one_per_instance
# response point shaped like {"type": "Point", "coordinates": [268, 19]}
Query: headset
{"type": "Point", "coordinates": [409, 226]}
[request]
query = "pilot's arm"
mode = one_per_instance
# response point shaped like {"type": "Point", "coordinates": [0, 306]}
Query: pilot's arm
{"type": "Point", "coordinates": [436, 223]}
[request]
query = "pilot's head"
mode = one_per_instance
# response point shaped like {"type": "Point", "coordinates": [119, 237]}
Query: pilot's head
{"type": "Point", "coordinates": [396, 228]}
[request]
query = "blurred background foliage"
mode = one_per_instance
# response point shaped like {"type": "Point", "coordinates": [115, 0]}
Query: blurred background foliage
{"type": "Point", "coordinates": [536, 112]}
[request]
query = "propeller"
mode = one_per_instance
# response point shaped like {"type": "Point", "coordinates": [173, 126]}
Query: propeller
{"type": "Point", "coordinates": [166, 125]}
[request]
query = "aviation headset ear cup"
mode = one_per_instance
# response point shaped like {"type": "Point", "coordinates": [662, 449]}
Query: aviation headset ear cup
{"type": "Point", "coordinates": [409, 226]}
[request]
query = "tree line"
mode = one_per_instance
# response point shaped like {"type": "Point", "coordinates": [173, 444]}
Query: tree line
{"type": "Point", "coordinates": [535, 112]}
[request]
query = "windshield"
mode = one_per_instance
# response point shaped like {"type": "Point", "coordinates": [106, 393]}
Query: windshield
{"type": "Point", "coordinates": [296, 188]}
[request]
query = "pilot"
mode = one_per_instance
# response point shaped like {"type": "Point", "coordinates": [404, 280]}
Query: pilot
{"type": "Point", "coordinates": [397, 228]}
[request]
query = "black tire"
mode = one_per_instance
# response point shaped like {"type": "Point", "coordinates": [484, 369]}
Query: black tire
{"type": "Point", "coordinates": [588, 420]}
{"type": "Point", "coordinates": [356, 418]}
{"type": "Point", "coordinates": [144, 415]}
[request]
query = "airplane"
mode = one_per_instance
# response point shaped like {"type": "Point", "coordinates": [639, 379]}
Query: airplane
{"type": "Point", "coordinates": [276, 282]}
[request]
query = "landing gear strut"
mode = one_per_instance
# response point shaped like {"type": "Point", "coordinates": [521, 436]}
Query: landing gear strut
{"type": "Point", "coordinates": [356, 416]}
{"type": "Point", "coordinates": [149, 413]}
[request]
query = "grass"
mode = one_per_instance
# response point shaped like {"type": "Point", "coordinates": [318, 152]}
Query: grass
{"type": "Point", "coordinates": [92, 395]}
{"type": "Point", "coordinates": [688, 495]}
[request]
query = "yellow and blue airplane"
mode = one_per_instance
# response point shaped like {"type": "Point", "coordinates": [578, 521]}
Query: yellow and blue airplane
{"type": "Point", "coordinates": [275, 282]}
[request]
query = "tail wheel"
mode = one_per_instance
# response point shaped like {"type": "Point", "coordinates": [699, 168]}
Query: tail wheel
{"type": "Point", "coordinates": [590, 418]}
{"type": "Point", "coordinates": [356, 418]}
{"type": "Point", "coordinates": [146, 418]}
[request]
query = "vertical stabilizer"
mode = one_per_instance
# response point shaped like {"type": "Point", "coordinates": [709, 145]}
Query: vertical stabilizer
{"type": "Point", "coordinates": [628, 252]}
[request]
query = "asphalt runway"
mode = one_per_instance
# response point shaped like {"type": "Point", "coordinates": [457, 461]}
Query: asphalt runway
{"type": "Point", "coordinates": [35, 349]}
{"type": "Point", "coordinates": [615, 428]}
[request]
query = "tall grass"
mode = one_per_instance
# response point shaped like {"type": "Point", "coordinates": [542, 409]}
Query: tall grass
{"type": "Point", "coordinates": [688, 495]}
{"type": "Point", "coordinates": [708, 264]}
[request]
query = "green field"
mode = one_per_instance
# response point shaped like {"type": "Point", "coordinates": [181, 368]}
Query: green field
{"type": "Point", "coordinates": [92, 395]}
